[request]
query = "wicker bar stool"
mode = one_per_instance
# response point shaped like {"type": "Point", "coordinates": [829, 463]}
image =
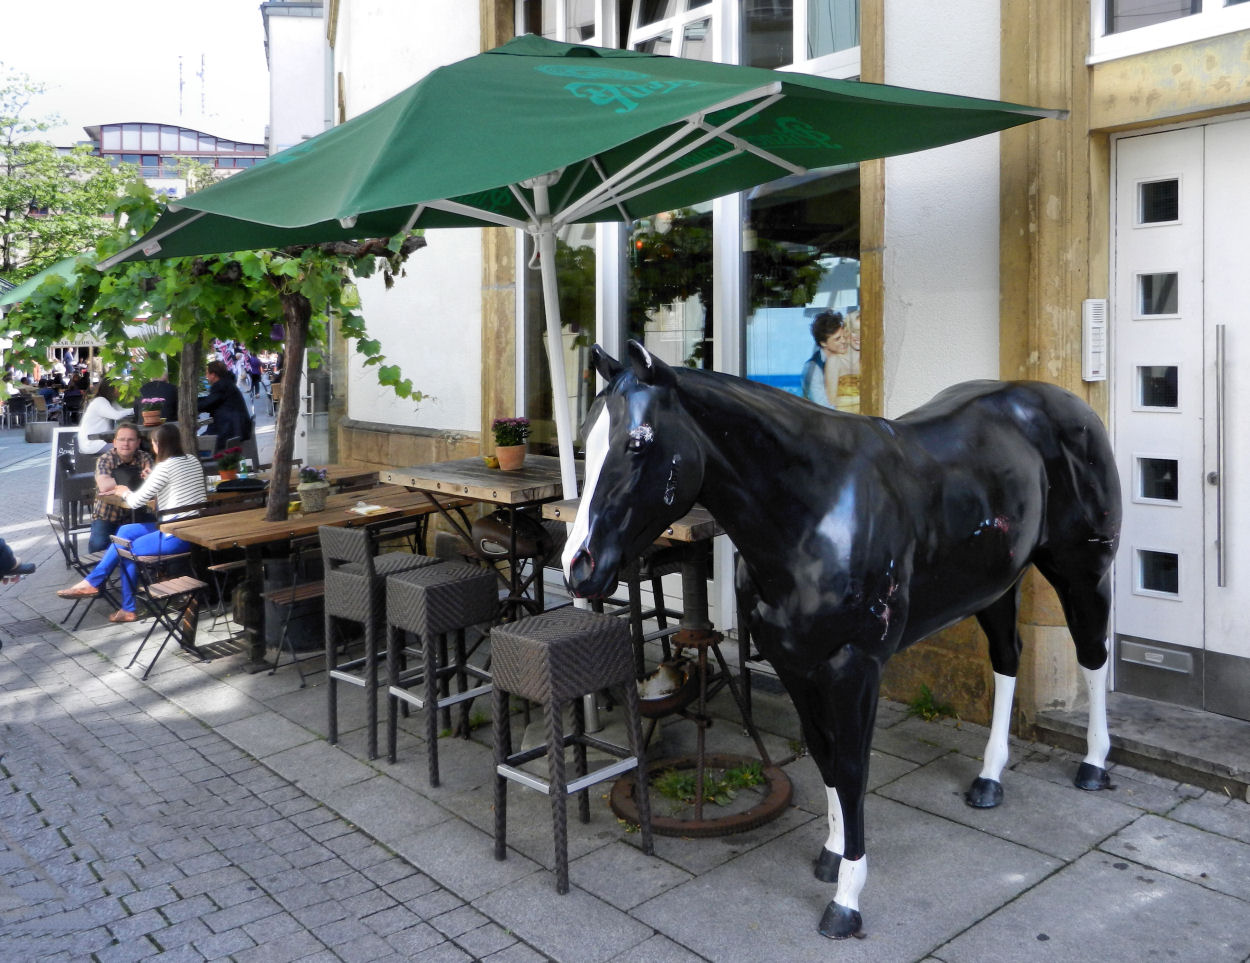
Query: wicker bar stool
{"type": "Point", "coordinates": [555, 658]}
{"type": "Point", "coordinates": [435, 603]}
{"type": "Point", "coordinates": [355, 590]}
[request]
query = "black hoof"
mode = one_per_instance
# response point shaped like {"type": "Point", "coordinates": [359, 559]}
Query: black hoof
{"type": "Point", "coordinates": [1092, 778]}
{"type": "Point", "coordinates": [826, 866]}
{"type": "Point", "coordinates": [839, 923]}
{"type": "Point", "coordinates": [984, 793]}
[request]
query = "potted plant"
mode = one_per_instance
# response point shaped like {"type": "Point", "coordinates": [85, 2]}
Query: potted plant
{"type": "Point", "coordinates": [313, 488]}
{"type": "Point", "coordinates": [228, 462]}
{"type": "Point", "coordinates": [150, 408]}
{"type": "Point", "coordinates": [510, 435]}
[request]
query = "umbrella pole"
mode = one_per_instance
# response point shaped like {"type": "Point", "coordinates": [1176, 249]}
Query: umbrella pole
{"type": "Point", "coordinates": [546, 238]}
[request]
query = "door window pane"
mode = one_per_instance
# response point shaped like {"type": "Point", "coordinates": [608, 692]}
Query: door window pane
{"type": "Point", "coordinates": [1157, 478]}
{"type": "Point", "coordinates": [1159, 202]}
{"type": "Point", "coordinates": [801, 247]}
{"type": "Point", "coordinates": [1158, 572]}
{"type": "Point", "coordinates": [1157, 293]}
{"type": "Point", "coordinates": [1131, 14]}
{"type": "Point", "coordinates": [832, 25]}
{"type": "Point", "coordinates": [662, 44]}
{"type": "Point", "coordinates": [1156, 386]}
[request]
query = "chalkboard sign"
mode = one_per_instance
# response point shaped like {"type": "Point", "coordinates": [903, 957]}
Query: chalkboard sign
{"type": "Point", "coordinates": [67, 466]}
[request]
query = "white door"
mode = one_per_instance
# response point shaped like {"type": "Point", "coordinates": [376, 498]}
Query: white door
{"type": "Point", "coordinates": [1181, 334]}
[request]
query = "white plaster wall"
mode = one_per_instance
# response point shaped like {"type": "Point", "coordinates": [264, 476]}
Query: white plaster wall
{"type": "Point", "coordinates": [430, 322]}
{"type": "Point", "coordinates": [941, 210]}
{"type": "Point", "coordinates": [296, 80]}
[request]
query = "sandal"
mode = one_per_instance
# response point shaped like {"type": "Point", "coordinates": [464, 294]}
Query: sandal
{"type": "Point", "coordinates": [79, 591]}
{"type": "Point", "coordinates": [121, 615]}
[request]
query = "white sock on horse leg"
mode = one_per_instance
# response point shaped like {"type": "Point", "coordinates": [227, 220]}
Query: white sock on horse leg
{"type": "Point", "coordinates": [996, 749]}
{"type": "Point", "coordinates": [852, 875]}
{"type": "Point", "coordinates": [1097, 738]}
{"type": "Point", "coordinates": [836, 841]}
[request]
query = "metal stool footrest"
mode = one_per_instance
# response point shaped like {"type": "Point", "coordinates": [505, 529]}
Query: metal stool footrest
{"type": "Point", "coordinates": [438, 604]}
{"type": "Point", "coordinates": [555, 658]}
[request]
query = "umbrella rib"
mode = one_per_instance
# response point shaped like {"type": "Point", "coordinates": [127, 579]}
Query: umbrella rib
{"type": "Point", "coordinates": [148, 242]}
{"type": "Point", "coordinates": [645, 165]}
{"type": "Point", "coordinates": [454, 207]}
{"type": "Point", "coordinates": [524, 202]}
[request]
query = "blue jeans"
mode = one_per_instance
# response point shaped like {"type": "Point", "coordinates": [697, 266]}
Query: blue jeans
{"type": "Point", "coordinates": [7, 561]}
{"type": "Point", "coordinates": [145, 539]}
{"type": "Point", "coordinates": [99, 539]}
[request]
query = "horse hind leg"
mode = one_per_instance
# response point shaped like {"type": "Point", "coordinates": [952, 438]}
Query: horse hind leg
{"type": "Point", "coordinates": [1086, 600]}
{"type": "Point", "coordinates": [998, 622]}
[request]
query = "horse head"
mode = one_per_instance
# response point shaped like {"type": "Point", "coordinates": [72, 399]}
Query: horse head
{"type": "Point", "coordinates": [644, 468]}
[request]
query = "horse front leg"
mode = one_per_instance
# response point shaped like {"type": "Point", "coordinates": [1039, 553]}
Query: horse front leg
{"type": "Point", "coordinates": [998, 622]}
{"type": "Point", "coordinates": [848, 711]}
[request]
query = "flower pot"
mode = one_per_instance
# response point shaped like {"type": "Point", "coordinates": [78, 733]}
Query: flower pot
{"type": "Point", "coordinates": [511, 457]}
{"type": "Point", "coordinates": [152, 417]}
{"type": "Point", "coordinates": [312, 495]}
{"type": "Point", "coordinates": [227, 474]}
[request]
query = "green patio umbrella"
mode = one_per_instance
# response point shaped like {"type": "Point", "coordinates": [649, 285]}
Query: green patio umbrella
{"type": "Point", "coordinates": [63, 269]}
{"type": "Point", "coordinates": [538, 135]}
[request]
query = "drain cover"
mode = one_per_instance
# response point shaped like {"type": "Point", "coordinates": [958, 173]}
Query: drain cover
{"type": "Point", "coordinates": [27, 627]}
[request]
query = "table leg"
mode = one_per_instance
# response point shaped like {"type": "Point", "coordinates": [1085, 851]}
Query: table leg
{"type": "Point", "coordinates": [252, 603]}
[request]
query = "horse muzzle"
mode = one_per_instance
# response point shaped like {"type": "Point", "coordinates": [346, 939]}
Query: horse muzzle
{"type": "Point", "coordinates": [588, 579]}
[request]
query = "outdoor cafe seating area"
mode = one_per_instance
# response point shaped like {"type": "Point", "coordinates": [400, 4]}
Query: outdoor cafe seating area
{"type": "Point", "coordinates": [417, 603]}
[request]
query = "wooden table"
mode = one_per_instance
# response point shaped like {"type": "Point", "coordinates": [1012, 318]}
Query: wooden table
{"type": "Point", "coordinates": [249, 530]}
{"type": "Point", "coordinates": [536, 482]}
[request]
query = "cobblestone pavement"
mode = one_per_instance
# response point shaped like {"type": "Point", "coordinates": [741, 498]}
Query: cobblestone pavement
{"type": "Point", "coordinates": [129, 829]}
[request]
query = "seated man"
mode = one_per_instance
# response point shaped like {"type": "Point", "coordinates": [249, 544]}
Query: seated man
{"type": "Point", "coordinates": [125, 463]}
{"type": "Point", "coordinates": [225, 403]}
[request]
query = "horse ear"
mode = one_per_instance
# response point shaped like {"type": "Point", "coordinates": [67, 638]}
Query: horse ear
{"type": "Point", "coordinates": [607, 366]}
{"type": "Point", "coordinates": [648, 369]}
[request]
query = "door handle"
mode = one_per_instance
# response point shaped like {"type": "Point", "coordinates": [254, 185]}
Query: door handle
{"type": "Point", "coordinates": [1216, 477]}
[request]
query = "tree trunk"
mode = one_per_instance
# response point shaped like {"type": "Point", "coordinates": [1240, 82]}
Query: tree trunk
{"type": "Point", "coordinates": [296, 314]}
{"type": "Point", "coordinates": [190, 363]}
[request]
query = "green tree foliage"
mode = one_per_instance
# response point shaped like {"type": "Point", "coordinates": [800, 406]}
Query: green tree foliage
{"type": "Point", "coordinates": [237, 296]}
{"type": "Point", "coordinates": [52, 204]}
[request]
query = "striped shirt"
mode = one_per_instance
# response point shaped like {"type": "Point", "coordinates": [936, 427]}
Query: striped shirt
{"type": "Point", "coordinates": [174, 482]}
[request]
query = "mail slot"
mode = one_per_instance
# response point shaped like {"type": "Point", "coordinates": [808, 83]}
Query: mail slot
{"type": "Point", "coordinates": [1155, 657]}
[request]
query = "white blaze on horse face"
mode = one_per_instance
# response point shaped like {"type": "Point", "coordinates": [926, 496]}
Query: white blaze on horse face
{"type": "Point", "coordinates": [836, 842]}
{"type": "Point", "coordinates": [996, 750]}
{"type": "Point", "coordinates": [596, 454]}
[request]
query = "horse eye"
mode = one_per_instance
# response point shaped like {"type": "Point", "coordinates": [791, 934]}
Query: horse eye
{"type": "Point", "coordinates": [640, 437]}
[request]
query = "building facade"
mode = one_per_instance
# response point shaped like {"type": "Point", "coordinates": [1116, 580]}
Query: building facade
{"type": "Point", "coordinates": [1004, 257]}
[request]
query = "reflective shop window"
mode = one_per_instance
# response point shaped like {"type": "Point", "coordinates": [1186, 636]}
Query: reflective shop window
{"type": "Point", "coordinates": [669, 299]}
{"type": "Point", "coordinates": [575, 272]}
{"type": "Point", "coordinates": [768, 30]}
{"type": "Point", "coordinates": [800, 245]}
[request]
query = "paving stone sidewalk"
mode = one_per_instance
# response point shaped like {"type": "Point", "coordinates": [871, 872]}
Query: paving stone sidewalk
{"type": "Point", "coordinates": [130, 830]}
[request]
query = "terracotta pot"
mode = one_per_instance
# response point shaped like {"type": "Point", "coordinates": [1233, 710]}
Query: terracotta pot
{"type": "Point", "coordinates": [227, 474]}
{"type": "Point", "coordinates": [312, 496]}
{"type": "Point", "coordinates": [152, 417]}
{"type": "Point", "coordinates": [511, 457]}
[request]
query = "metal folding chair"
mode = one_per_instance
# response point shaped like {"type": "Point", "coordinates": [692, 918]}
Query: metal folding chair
{"type": "Point", "coordinates": [173, 599]}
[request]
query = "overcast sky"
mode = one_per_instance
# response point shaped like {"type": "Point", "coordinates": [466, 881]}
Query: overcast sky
{"type": "Point", "coordinates": [108, 61]}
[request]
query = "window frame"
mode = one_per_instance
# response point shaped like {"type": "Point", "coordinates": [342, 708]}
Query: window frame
{"type": "Point", "coordinates": [1215, 19]}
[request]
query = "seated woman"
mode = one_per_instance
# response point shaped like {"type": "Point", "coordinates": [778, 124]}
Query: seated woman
{"type": "Point", "coordinates": [176, 481]}
{"type": "Point", "coordinates": [98, 418]}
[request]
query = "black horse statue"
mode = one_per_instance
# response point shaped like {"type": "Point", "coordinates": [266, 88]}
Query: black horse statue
{"type": "Point", "coordinates": [859, 536]}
